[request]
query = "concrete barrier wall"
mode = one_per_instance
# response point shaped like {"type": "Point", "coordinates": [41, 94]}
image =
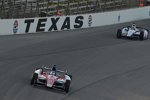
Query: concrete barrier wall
{"type": "Point", "coordinates": [115, 17]}
{"type": "Point", "coordinates": [47, 24]}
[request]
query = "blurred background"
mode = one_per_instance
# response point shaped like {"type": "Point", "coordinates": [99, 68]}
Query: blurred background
{"type": "Point", "coordinates": [42, 8]}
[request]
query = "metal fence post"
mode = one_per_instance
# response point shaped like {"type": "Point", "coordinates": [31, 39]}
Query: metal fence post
{"type": "Point", "coordinates": [37, 8]}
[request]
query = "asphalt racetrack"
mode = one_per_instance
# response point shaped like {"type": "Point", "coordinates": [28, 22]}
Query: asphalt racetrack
{"type": "Point", "coordinates": [103, 67]}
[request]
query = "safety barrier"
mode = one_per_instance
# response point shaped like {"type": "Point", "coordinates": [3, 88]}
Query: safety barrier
{"type": "Point", "coordinates": [47, 24]}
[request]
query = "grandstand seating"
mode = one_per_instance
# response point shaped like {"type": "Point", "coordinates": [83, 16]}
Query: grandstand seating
{"type": "Point", "coordinates": [85, 6]}
{"type": "Point", "coordinates": [32, 8]}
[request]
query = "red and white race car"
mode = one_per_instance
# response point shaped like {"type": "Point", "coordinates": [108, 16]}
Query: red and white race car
{"type": "Point", "coordinates": [50, 77]}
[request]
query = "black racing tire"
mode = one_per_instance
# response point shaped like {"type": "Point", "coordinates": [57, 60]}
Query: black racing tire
{"type": "Point", "coordinates": [34, 79]}
{"type": "Point", "coordinates": [67, 86]}
{"type": "Point", "coordinates": [141, 37]}
{"type": "Point", "coordinates": [119, 33]}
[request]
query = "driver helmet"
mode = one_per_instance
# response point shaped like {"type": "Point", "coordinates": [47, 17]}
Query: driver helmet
{"type": "Point", "coordinates": [133, 26]}
{"type": "Point", "coordinates": [53, 70]}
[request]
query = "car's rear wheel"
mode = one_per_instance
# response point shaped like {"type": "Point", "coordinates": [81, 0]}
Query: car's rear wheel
{"type": "Point", "coordinates": [67, 86]}
{"type": "Point", "coordinates": [141, 35]}
{"type": "Point", "coordinates": [119, 33]}
{"type": "Point", "coordinates": [34, 79]}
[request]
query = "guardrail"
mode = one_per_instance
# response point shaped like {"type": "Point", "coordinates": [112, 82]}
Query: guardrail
{"type": "Point", "coordinates": [47, 24]}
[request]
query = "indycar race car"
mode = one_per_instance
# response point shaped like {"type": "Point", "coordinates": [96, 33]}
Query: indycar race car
{"type": "Point", "coordinates": [133, 31]}
{"type": "Point", "coordinates": [50, 77]}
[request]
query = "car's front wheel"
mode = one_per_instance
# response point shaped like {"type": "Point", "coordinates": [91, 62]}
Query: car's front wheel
{"type": "Point", "coordinates": [141, 35]}
{"type": "Point", "coordinates": [67, 86]}
{"type": "Point", "coordinates": [34, 79]}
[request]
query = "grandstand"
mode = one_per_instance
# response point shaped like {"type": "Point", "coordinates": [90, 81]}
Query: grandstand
{"type": "Point", "coordinates": [35, 8]}
{"type": "Point", "coordinates": [67, 7]}
{"type": "Point", "coordinates": [17, 8]}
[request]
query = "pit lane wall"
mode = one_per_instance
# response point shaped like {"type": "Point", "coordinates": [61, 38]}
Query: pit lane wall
{"type": "Point", "coordinates": [47, 24]}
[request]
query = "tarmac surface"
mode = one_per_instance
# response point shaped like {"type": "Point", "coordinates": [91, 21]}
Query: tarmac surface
{"type": "Point", "coordinates": [103, 67]}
